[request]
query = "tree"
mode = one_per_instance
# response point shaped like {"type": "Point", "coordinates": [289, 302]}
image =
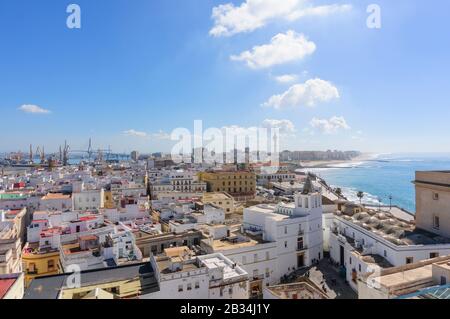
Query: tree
{"type": "Point", "coordinates": [338, 191]}
{"type": "Point", "coordinates": [360, 195]}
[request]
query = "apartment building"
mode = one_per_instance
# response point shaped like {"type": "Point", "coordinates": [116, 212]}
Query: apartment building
{"type": "Point", "coordinates": [433, 202]}
{"type": "Point", "coordinates": [11, 241]}
{"type": "Point", "coordinates": [368, 240]}
{"type": "Point", "coordinates": [256, 256]}
{"type": "Point", "coordinates": [182, 275]}
{"type": "Point", "coordinates": [88, 199]}
{"type": "Point", "coordinates": [296, 228]}
{"type": "Point", "coordinates": [56, 202]}
{"type": "Point", "coordinates": [265, 179]}
{"type": "Point", "coordinates": [241, 184]}
{"type": "Point", "coordinates": [220, 199]}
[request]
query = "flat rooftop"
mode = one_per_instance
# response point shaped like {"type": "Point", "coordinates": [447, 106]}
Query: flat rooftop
{"type": "Point", "coordinates": [216, 196]}
{"type": "Point", "coordinates": [55, 196]}
{"type": "Point", "coordinates": [392, 228]}
{"type": "Point", "coordinates": [436, 178]}
{"type": "Point", "coordinates": [404, 277]}
{"type": "Point", "coordinates": [49, 287]}
{"type": "Point", "coordinates": [214, 262]}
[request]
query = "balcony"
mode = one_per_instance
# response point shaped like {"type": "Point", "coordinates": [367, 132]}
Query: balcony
{"type": "Point", "coordinates": [302, 247]}
{"type": "Point", "coordinates": [301, 232]}
{"type": "Point", "coordinates": [257, 277]}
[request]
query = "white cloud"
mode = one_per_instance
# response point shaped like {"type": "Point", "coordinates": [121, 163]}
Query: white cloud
{"type": "Point", "coordinates": [331, 126]}
{"type": "Point", "coordinates": [161, 135]}
{"type": "Point", "coordinates": [253, 14]}
{"type": "Point", "coordinates": [285, 126]}
{"type": "Point", "coordinates": [283, 48]}
{"type": "Point", "coordinates": [308, 94]}
{"type": "Point", "coordinates": [319, 11]}
{"type": "Point", "coordinates": [33, 109]}
{"type": "Point", "coordinates": [135, 133]}
{"type": "Point", "coordinates": [286, 78]}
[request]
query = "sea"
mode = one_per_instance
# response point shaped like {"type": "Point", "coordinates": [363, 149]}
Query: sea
{"type": "Point", "coordinates": [385, 178]}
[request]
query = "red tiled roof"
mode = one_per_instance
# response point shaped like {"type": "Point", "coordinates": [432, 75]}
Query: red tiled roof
{"type": "Point", "coordinates": [86, 218]}
{"type": "Point", "coordinates": [89, 237]}
{"type": "Point", "coordinates": [5, 285]}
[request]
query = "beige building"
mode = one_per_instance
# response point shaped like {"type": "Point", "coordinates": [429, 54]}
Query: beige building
{"type": "Point", "coordinates": [11, 233]}
{"type": "Point", "coordinates": [239, 184]}
{"type": "Point", "coordinates": [433, 202]}
{"type": "Point", "coordinates": [220, 199]}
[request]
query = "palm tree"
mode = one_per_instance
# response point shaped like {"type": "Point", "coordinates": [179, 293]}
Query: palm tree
{"type": "Point", "coordinates": [360, 195]}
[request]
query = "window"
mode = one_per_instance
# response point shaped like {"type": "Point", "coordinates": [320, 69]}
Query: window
{"type": "Point", "coordinates": [267, 272]}
{"type": "Point", "coordinates": [385, 253]}
{"type": "Point", "coordinates": [180, 288]}
{"type": "Point", "coordinates": [285, 229]}
{"type": "Point", "coordinates": [359, 267]}
{"type": "Point", "coordinates": [51, 265]}
{"type": "Point", "coordinates": [435, 196]}
{"type": "Point", "coordinates": [350, 260]}
{"type": "Point", "coordinates": [32, 268]}
{"type": "Point", "coordinates": [436, 222]}
{"type": "Point", "coordinates": [189, 286]}
{"type": "Point", "coordinates": [434, 255]}
{"type": "Point", "coordinates": [409, 260]}
{"type": "Point", "coordinates": [300, 245]}
{"type": "Point", "coordinates": [285, 244]}
{"type": "Point", "coordinates": [230, 290]}
{"type": "Point", "coordinates": [197, 285]}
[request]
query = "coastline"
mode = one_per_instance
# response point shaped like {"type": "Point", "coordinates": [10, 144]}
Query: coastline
{"type": "Point", "coordinates": [339, 163]}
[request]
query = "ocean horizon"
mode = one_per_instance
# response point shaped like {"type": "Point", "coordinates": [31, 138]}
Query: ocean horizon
{"type": "Point", "coordinates": [383, 176]}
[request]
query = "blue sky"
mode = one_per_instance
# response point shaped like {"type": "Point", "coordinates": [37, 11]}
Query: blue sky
{"type": "Point", "coordinates": [138, 69]}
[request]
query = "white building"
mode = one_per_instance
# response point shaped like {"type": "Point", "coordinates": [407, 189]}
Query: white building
{"type": "Point", "coordinates": [264, 179]}
{"type": "Point", "coordinates": [88, 199]}
{"type": "Point", "coordinates": [181, 275]}
{"type": "Point", "coordinates": [373, 240]}
{"type": "Point", "coordinates": [296, 228]}
{"type": "Point", "coordinates": [256, 256]}
{"type": "Point", "coordinates": [56, 201]}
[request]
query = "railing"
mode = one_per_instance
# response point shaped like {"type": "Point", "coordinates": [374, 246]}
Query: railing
{"type": "Point", "coordinates": [258, 277]}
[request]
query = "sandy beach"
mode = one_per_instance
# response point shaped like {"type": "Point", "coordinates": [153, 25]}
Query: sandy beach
{"type": "Point", "coordinates": [324, 164]}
